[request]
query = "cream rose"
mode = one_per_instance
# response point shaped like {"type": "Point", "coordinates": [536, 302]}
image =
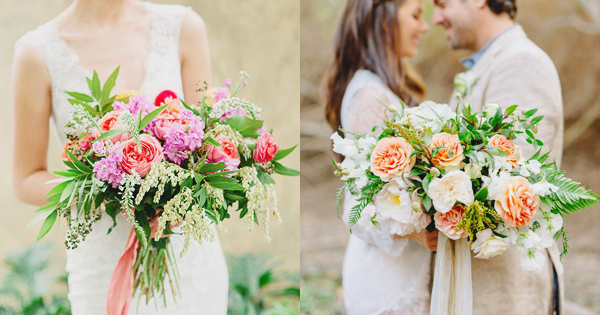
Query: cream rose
{"type": "Point", "coordinates": [517, 203]}
{"type": "Point", "coordinates": [450, 156]}
{"type": "Point", "coordinates": [452, 187]}
{"type": "Point", "coordinates": [488, 245]}
{"type": "Point", "coordinates": [391, 158]}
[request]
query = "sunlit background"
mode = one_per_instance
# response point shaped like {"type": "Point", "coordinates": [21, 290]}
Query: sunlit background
{"type": "Point", "coordinates": [568, 30]}
{"type": "Point", "coordinates": [259, 36]}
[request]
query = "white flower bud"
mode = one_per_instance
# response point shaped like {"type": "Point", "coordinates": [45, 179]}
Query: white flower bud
{"type": "Point", "coordinates": [435, 172]}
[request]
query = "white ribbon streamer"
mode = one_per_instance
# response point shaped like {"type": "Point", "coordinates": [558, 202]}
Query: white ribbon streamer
{"type": "Point", "coordinates": [452, 287]}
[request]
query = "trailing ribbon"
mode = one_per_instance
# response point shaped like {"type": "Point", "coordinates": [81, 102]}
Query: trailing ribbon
{"type": "Point", "coordinates": [452, 286]}
{"type": "Point", "coordinates": [120, 290]}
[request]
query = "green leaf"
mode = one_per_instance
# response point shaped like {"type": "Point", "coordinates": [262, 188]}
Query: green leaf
{"type": "Point", "coordinates": [225, 183]}
{"type": "Point", "coordinates": [286, 171]}
{"type": "Point", "coordinates": [536, 120]}
{"type": "Point", "coordinates": [188, 107]}
{"type": "Point", "coordinates": [48, 223]}
{"type": "Point", "coordinates": [246, 126]}
{"type": "Point", "coordinates": [58, 189]}
{"type": "Point", "coordinates": [510, 110]}
{"type": "Point", "coordinates": [78, 164]}
{"type": "Point", "coordinates": [211, 167]}
{"type": "Point", "coordinates": [530, 112]}
{"type": "Point", "coordinates": [81, 97]}
{"type": "Point", "coordinates": [108, 86]}
{"type": "Point", "coordinates": [94, 86]}
{"type": "Point", "coordinates": [148, 118]}
{"type": "Point", "coordinates": [426, 182]}
{"type": "Point", "coordinates": [201, 195]}
{"type": "Point", "coordinates": [265, 178]}
{"type": "Point", "coordinates": [112, 209]}
{"type": "Point", "coordinates": [283, 153]}
{"type": "Point", "coordinates": [110, 134]}
{"type": "Point", "coordinates": [43, 214]}
{"type": "Point", "coordinates": [482, 194]}
{"type": "Point", "coordinates": [212, 141]}
{"type": "Point", "coordinates": [66, 193]}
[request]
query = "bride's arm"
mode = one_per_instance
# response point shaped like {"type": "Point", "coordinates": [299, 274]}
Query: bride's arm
{"type": "Point", "coordinates": [194, 56]}
{"type": "Point", "coordinates": [31, 95]}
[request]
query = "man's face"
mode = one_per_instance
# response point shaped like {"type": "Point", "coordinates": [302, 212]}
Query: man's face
{"type": "Point", "coordinates": [457, 17]}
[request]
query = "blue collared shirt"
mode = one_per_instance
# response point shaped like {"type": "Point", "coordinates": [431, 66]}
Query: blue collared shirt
{"type": "Point", "coordinates": [469, 62]}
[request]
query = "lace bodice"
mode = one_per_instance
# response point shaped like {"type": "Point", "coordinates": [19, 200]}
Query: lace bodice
{"type": "Point", "coordinates": [203, 283]}
{"type": "Point", "coordinates": [382, 275]}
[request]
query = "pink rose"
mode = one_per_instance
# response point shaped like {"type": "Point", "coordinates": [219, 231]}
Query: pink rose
{"type": "Point", "coordinates": [266, 148]}
{"type": "Point", "coordinates": [141, 161]}
{"type": "Point", "coordinates": [226, 153]}
{"type": "Point", "coordinates": [446, 222]}
{"type": "Point", "coordinates": [110, 121]}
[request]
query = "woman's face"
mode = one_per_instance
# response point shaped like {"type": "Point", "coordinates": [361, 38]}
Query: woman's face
{"type": "Point", "coordinates": [412, 25]}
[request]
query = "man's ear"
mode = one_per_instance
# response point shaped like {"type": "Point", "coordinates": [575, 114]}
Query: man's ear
{"type": "Point", "coordinates": [480, 4]}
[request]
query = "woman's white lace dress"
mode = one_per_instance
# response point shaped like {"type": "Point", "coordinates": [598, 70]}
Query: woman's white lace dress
{"type": "Point", "coordinates": [381, 274]}
{"type": "Point", "coordinates": [204, 279]}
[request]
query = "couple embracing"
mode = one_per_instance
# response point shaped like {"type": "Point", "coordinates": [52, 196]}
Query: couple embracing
{"type": "Point", "coordinates": [386, 273]}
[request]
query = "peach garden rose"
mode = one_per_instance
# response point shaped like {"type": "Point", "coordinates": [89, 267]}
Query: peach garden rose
{"type": "Point", "coordinates": [110, 121]}
{"type": "Point", "coordinates": [518, 203]}
{"type": "Point", "coordinates": [391, 158]}
{"type": "Point", "coordinates": [450, 156]}
{"type": "Point", "coordinates": [508, 146]}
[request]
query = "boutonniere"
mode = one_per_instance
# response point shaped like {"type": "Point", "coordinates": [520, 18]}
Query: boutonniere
{"type": "Point", "coordinates": [464, 83]}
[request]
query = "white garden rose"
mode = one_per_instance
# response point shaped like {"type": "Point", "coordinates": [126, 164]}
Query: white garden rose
{"type": "Point", "coordinates": [488, 245]}
{"type": "Point", "coordinates": [452, 187]}
{"type": "Point", "coordinates": [393, 204]}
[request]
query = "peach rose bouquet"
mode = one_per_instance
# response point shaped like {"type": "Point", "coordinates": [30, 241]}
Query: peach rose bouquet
{"type": "Point", "coordinates": [172, 169]}
{"type": "Point", "coordinates": [467, 172]}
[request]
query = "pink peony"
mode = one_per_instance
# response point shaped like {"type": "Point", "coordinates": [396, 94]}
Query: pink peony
{"type": "Point", "coordinates": [266, 148]}
{"type": "Point", "coordinates": [141, 161]}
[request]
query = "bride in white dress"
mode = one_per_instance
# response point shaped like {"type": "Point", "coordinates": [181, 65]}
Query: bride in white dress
{"type": "Point", "coordinates": [383, 273]}
{"type": "Point", "coordinates": [158, 47]}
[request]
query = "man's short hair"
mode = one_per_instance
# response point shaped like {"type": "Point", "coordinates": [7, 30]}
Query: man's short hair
{"type": "Point", "coordinates": [501, 6]}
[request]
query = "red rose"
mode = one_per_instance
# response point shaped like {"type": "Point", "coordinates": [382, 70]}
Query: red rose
{"type": "Point", "coordinates": [162, 96]}
{"type": "Point", "coordinates": [141, 161]}
{"type": "Point", "coordinates": [266, 148]}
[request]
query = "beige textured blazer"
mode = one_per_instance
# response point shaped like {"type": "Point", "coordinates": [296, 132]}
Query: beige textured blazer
{"type": "Point", "coordinates": [515, 71]}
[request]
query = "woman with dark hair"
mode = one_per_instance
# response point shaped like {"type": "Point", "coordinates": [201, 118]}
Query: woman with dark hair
{"type": "Point", "coordinates": [383, 273]}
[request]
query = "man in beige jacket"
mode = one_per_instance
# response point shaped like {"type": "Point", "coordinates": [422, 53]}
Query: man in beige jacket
{"type": "Point", "coordinates": [509, 69]}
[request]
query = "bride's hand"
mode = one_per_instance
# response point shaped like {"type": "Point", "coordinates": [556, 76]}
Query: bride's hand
{"type": "Point", "coordinates": [428, 240]}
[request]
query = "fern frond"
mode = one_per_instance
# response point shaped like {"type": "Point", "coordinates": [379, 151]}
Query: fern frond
{"type": "Point", "coordinates": [339, 198]}
{"type": "Point", "coordinates": [570, 197]}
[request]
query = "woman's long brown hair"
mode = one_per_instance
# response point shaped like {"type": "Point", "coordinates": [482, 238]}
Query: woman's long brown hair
{"type": "Point", "coordinates": [368, 37]}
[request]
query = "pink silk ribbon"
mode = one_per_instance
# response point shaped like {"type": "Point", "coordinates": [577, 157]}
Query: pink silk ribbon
{"type": "Point", "coordinates": [120, 290]}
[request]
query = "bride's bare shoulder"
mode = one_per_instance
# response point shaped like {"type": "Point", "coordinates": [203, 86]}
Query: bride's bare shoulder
{"type": "Point", "coordinates": [193, 27]}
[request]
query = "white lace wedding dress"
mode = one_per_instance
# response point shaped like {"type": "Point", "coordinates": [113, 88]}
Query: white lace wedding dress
{"type": "Point", "coordinates": [204, 279]}
{"type": "Point", "coordinates": [381, 275]}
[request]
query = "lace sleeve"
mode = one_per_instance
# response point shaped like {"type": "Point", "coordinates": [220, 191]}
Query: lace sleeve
{"type": "Point", "coordinates": [366, 110]}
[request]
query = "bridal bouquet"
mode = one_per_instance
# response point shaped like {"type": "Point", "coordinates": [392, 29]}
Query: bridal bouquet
{"type": "Point", "coordinates": [463, 173]}
{"type": "Point", "coordinates": [167, 166]}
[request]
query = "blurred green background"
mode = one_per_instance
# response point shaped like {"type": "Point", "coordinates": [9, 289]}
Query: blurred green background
{"type": "Point", "coordinates": [259, 36]}
{"type": "Point", "coordinates": [568, 30]}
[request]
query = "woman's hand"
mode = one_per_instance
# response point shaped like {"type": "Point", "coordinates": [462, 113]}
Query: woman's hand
{"type": "Point", "coordinates": [428, 240]}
